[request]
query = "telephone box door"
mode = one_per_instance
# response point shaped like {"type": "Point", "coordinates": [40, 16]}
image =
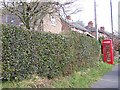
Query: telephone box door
{"type": "Point", "coordinates": [108, 51]}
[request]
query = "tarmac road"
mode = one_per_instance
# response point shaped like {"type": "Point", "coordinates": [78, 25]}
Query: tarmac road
{"type": "Point", "coordinates": [110, 80]}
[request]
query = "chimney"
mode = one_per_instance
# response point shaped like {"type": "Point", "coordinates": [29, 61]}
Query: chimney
{"type": "Point", "coordinates": [90, 24]}
{"type": "Point", "coordinates": [68, 17]}
{"type": "Point", "coordinates": [102, 28]}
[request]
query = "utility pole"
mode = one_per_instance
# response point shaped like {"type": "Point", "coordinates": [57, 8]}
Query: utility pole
{"type": "Point", "coordinates": [111, 19]}
{"type": "Point", "coordinates": [95, 19]}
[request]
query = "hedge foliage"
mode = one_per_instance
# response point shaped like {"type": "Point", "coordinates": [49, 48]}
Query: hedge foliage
{"type": "Point", "coordinates": [28, 52]}
{"type": "Point", "coordinates": [85, 51]}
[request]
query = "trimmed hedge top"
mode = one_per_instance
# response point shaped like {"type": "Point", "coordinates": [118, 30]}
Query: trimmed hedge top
{"type": "Point", "coordinates": [28, 52]}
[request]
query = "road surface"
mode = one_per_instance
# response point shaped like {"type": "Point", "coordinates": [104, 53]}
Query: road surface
{"type": "Point", "coordinates": [110, 80]}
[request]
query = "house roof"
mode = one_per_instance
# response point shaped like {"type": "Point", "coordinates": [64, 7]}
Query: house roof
{"type": "Point", "coordinates": [90, 29]}
{"type": "Point", "coordinates": [100, 31]}
{"type": "Point", "coordinates": [105, 32]}
{"type": "Point", "coordinates": [74, 25]}
{"type": "Point", "coordinates": [78, 26]}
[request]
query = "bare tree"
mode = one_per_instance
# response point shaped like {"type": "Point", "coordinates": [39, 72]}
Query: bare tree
{"type": "Point", "coordinates": [30, 13]}
{"type": "Point", "coordinates": [33, 12]}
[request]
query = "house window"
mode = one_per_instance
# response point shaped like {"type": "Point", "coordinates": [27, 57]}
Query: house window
{"type": "Point", "coordinates": [53, 20]}
{"type": "Point", "coordinates": [12, 21]}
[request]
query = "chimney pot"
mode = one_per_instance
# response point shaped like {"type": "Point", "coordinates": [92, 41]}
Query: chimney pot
{"type": "Point", "coordinates": [68, 17]}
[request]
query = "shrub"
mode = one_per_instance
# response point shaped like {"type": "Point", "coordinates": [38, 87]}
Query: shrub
{"type": "Point", "coordinates": [28, 52]}
{"type": "Point", "coordinates": [85, 50]}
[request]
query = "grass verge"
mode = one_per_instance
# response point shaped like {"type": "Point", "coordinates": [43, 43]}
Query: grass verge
{"type": "Point", "coordinates": [82, 79]}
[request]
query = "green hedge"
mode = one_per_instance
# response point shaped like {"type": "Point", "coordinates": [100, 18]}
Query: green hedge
{"type": "Point", "coordinates": [85, 51]}
{"type": "Point", "coordinates": [28, 52]}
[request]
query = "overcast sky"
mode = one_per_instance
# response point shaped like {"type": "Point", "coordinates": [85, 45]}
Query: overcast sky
{"type": "Point", "coordinates": [103, 13]}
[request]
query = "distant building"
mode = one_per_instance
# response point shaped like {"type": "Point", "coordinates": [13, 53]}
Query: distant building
{"type": "Point", "coordinates": [50, 23]}
{"type": "Point", "coordinates": [101, 31]}
{"type": "Point", "coordinates": [10, 19]}
{"type": "Point", "coordinates": [68, 24]}
{"type": "Point", "coordinates": [91, 29]}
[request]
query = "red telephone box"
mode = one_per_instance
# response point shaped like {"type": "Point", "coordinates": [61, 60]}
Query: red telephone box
{"type": "Point", "coordinates": [107, 48]}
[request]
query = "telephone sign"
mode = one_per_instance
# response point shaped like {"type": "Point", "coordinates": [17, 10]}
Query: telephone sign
{"type": "Point", "coordinates": [107, 48]}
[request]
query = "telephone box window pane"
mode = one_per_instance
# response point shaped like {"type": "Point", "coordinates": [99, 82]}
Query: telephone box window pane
{"type": "Point", "coordinates": [107, 47]}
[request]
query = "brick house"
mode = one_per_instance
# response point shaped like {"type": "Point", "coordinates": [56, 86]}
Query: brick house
{"type": "Point", "coordinates": [50, 23]}
{"type": "Point", "coordinates": [101, 31]}
{"type": "Point", "coordinates": [91, 29]}
{"type": "Point", "coordinates": [10, 19]}
{"type": "Point", "coordinates": [68, 24]}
